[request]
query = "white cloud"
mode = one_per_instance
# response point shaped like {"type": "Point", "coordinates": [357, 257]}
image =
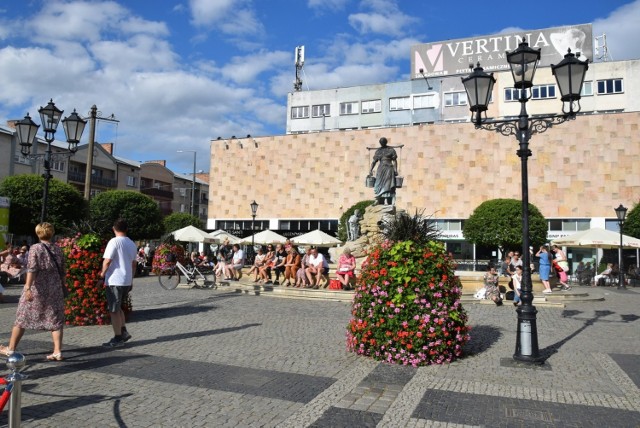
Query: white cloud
{"type": "Point", "coordinates": [333, 5]}
{"type": "Point", "coordinates": [622, 30]}
{"type": "Point", "coordinates": [232, 17]}
{"type": "Point", "coordinates": [384, 18]}
{"type": "Point", "coordinates": [245, 69]}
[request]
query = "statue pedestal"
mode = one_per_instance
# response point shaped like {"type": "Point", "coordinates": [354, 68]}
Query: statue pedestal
{"type": "Point", "coordinates": [370, 229]}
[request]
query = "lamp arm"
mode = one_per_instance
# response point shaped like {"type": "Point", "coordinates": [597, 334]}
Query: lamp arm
{"type": "Point", "coordinates": [537, 124]}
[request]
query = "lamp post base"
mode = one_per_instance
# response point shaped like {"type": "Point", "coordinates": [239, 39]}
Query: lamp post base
{"type": "Point", "coordinates": [527, 336]}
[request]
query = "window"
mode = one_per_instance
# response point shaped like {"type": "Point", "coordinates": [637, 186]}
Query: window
{"type": "Point", "coordinates": [423, 101]}
{"type": "Point", "coordinates": [511, 94]}
{"type": "Point", "coordinates": [349, 108]}
{"type": "Point", "coordinates": [587, 89]}
{"type": "Point", "coordinates": [300, 112]}
{"type": "Point", "coordinates": [321, 110]}
{"type": "Point", "coordinates": [401, 103]}
{"type": "Point", "coordinates": [609, 86]}
{"type": "Point", "coordinates": [57, 165]}
{"type": "Point", "coordinates": [543, 92]}
{"type": "Point", "coordinates": [183, 191]}
{"type": "Point", "coordinates": [182, 207]}
{"type": "Point", "coordinates": [448, 224]}
{"type": "Point", "coordinates": [569, 225]}
{"type": "Point", "coordinates": [455, 99]}
{"type": "Point", "coordinates": [131, 180]}
{"type": "Point", "coordinates": [19, 158]}
{"type": "Point", "coordinates": [373, 106]}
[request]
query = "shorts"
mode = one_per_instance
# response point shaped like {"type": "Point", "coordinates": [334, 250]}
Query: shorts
{"type": "Point", "coordinates": [237, 267]}
{"type": "Point", "coordinates": [115, 296]}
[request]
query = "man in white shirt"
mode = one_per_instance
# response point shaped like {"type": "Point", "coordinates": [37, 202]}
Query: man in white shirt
{"type": "Point", "coordinates": [117, 270]}
{"type": "Point", "coordinates": [318, 266]}
{"type": "Point", "coordinates": [237, 263]}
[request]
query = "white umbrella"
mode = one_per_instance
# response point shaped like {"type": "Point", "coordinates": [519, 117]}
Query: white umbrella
{"type": "Point", "coordinates": [264, 237]}
{"type": "Point", "coordinates": [191, 234]}
{"type": "Point", "coordinates": [597, 238]}
{"type": "Point", "coordinates": [221, 236]}
{"type": "Point", "coordinates": [317, 238]}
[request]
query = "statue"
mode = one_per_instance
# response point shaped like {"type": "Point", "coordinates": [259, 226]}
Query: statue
{"type": "Point", "coordinates": [385, 185]}
{"type": "Point", "coordinates": [353, 227]}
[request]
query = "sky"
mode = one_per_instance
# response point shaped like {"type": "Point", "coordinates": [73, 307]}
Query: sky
{"type": "Point", "coordinates": [179, 73]}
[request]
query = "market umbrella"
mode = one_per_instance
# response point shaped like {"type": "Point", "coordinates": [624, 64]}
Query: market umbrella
{"type": "Point", "coordinates": [264, 237]}
{"type": "Point", "coordinates": [317, 238]}
{"type": "Point", "coordinates": [191, 234]}
{"type": "Point", "coordinates": [597, 238]}
{"type": "Point", "coordinates": [221, 236]}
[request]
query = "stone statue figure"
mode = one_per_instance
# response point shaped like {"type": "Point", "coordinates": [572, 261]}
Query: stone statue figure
{"type": "Point", "coordinates": [385, 186]}
{"type": "Point", "coordinates": [353, 229]}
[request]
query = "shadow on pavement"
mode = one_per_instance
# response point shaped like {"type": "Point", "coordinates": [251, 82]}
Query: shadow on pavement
{"type": "Point", "coordinates": [482, 338]}
{"type": "Point", "coordinates": [552, 349]}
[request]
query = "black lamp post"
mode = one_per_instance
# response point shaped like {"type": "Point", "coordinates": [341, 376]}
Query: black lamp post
{"type": "Point", "coordinates": [621, 213]}
{"type": "Point", "coordinates": [50, 116]}
{"type": "Point", "coordinates": [569, 74]}
{"type": "Point", "coordinates": [254, 211]}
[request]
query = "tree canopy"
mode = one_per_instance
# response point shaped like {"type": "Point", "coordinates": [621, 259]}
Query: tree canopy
{"type": "Point", "coordinates": [498, 222]}
{"type": "Point", "coordinates": [177, 221]}
{"type": "Point", "coordinates": [140, 211]}
{"type": "Point", "coordinates": [65, 207]}
{"type": "Point", "coordinates": [631, 225]}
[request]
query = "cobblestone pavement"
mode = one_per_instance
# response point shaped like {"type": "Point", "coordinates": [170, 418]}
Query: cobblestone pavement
{"type": "Point", "coordinates": [216, 358]}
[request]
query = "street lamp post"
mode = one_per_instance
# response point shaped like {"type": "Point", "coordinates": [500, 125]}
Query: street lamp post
{"type": "Point", "coordinates": [193, 181]}
{"type": "Point", "coordinates": [50, 116]}
{"type": "Point", "coordinates": [621, 213]}
{"type": "Point", "coordinates": [254, 211]}
{"type": "Point", "coordinates": [569, 75]}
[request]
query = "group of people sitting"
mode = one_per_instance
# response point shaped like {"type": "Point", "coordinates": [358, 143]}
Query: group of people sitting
{"type": "Point", "coordinates": [13, 261]}
{"type": "Point", "coordinates": [280, 264]}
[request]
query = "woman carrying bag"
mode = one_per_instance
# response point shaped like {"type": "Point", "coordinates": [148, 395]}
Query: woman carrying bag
{"type": "Point", "coordinates": [41, 306]}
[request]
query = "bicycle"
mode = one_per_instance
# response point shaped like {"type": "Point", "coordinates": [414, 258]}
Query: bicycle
{"type": "Point", "coordinates": [170, 278]}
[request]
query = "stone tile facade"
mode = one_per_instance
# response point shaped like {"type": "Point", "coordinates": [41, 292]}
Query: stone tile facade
{"type": "Point", "coordinates": [583, 168]}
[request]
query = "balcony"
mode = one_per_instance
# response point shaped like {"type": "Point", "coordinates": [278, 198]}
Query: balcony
{"type": "Point", "coordinates": [78, 177]}
{"type": "Point", "coordinates": [157, 193]}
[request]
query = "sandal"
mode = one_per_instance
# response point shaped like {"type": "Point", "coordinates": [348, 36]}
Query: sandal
{"type": "Point", "coordinates": [4, 350]}
{"type": "Point", "coordinates": [55, 357]}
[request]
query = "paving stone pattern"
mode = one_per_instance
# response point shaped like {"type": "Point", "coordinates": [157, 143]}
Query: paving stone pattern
{"type": "Point", "coordinates": [216, 358]}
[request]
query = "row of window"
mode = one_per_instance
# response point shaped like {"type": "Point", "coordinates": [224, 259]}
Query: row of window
{"type": "Point", "coordinates": [293, 225]}
{"type": "Point", "coordinates": [451, 99]}
{"type": "Point", "coordinates": [56, 165]}
{"type": "Point", "coordinates": [570, 225]}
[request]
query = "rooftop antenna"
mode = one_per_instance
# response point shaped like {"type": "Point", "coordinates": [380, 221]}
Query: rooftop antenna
{"type": "Point", "coordinates": [600, 48]}
{"type": "Point", "coordinates": [425, 78]}
{"type": "Point", "coordinates": [299, 56]}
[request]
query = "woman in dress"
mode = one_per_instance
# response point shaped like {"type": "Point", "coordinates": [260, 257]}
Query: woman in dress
{"type": "Point", "coordinates": [301, 276]}
{"type": "Point", "coordinates": [545, 268]}
{"type": "Point", "coordinates": [385, 187]}
{"type": "Point", "coordinates": [561, 260]}
{"type": "Point", "coordinates": [491, 280]}
{"type": "Point", "coordinates": [41, 306]}
{"type": "Point", "coordinates": [346, 268]}
{"type": "Point", "coordinates": [291, 266]}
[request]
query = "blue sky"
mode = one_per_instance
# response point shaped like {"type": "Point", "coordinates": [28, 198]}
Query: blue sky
{"type": "Point", "coordinates": [180, 73]}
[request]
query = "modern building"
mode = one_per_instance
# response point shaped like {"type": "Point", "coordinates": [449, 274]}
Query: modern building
{"type": "Point", "coordinates": [308, 177]}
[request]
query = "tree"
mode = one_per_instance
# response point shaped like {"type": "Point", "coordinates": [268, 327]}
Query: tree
{"type": "Point", "coordinates": [65, 207]}
{"type": "Point", "coordinates": [631, 225]}
{"type": "Point", "coordinates": [498, 222]}
{"type": "Point", "coordinates": [140, 211]}
{"type": "Point", "coordinates": [177, 221]}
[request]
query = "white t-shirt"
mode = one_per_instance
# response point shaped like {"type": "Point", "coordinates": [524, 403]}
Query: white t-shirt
{"type": "Point", "coordinates": [318, 261]}
{"type": "Point", "coordinates": [122, 252]}
{"type": "Point", "coordinates": [238, 257]}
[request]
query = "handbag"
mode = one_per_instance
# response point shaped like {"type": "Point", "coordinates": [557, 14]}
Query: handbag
{"type": "Point", "coordinates": [65, 292]}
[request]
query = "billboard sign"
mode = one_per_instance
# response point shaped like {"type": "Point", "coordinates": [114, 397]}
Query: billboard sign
{"type": "Point", "coordinates": [4, 221]}
{"type": "Point", "coordinates": [455, 56]}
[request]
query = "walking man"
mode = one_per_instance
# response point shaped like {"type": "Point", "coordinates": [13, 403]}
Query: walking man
{"type": "Point", "coordinates": [117, 270]}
